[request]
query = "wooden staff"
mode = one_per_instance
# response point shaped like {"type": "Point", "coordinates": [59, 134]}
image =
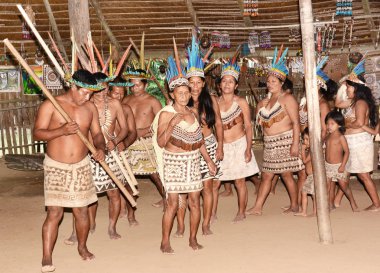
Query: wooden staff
{"type": "Point", "coordinates": [323, 213]}
{"type": "Point", "coordinates": [68, 119]}
{"type": "Point", "coordinates": [125, 173]}
{"type": "Point", "coordinates": [253, 93]}
{"type": "Point", "coordinates": [129, 169]}
{"type": "Point", "coordinates": [42, 42]}
{"type": "Point", "coordinates": [147, 151]}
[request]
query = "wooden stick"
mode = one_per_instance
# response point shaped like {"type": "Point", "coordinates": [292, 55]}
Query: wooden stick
{"type": "Point", "coordinates": [129, 169]}
{"type": "Point", "coordinates": [122, 60]}
{"type": "Point", "coordinates": [68, 119]}
{"type": "Point", "coordinates": [124, 171]}
{"type": "Point", "coordinates": [253, 93]}
{"type": "Point", "coordinates": [58, 53]}
{"type": "Point", "coordinates": [42, 42]}
{"type": "Point", "coordinates": [323, 213]}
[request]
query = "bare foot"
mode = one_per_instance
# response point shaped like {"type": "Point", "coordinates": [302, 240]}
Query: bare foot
{"type": "Point", "coordinates": [238, 218]}
{"type": "Point", "coordinates": [133, 222]}
{"type": "Point", "coordinates": [226, 194]}
{"type": "Point", "coordinates": [166, 249]}
{"type": "Point", "coordinates": [355, 209]}
{"type": "Point", "coordinates": [47, 268]}
{"type": "Point", "coordinates": [372, 208]}
{"type": "Point", "coordinates": [254, 211]}
{"type": "Point", "coordinates": [303, 214]}
{"type": "Point", "coordinates": [214, 219]}
{"type": "Point", "coordinates": [71, 240]}
{"type": "Point", "coordinates": [85, 254]}
{"type": "Point", "coordinates": [206, 230]}
{"type": "Point", "coordinates": [123, 214]}
{"type": "Point", "coordinates": [291, 210]}
{"type": "Point", "coordinates": [332, 207]}
{"type": "Point", "coordinates": [93, 228]}
{"type": "Point", "coordinates": [179, 234]}
{"type": "Point", "coordinates": [194, 245]}
{"type": "Point", "coordinates": [285, 207]}
{"type": "Point", "coordinates": [113, 234]}
{"type": "Point", "coordinates": [158, 204]}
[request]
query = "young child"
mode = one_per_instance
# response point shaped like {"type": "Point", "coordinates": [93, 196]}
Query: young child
{"type": "Point", "coordinates": [308, 186]}
{"type": "Point", "coordinates": [336, 157]}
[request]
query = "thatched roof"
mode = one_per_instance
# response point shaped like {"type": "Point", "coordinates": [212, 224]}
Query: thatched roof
{"type": "Point", "coordinates": [160, 18]}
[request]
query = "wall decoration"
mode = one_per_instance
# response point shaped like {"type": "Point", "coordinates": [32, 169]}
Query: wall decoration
{"type": "Point", "coordinates": [265, 41]}
{"type": "Point", "coordinates": [225, 41]}
{"type": "Point", "coordinates": [294, 34]}
{"type": "Point", "coordinates": [9, 79]}
{"type": "Point", "coordinates": [343, 8]}
{"type": "Point", "coordinates": [51, 79]}
{"type": "Point", "coordinates": [29, 85]}
{"type": "Point", "coordinates": [215, 38]}
{"type": "Point", "coordinates": [251, 8]}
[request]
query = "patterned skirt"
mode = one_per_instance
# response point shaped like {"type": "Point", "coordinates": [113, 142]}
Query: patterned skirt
{"type": "Point", "coordinates": [138, 157]}
{"type": "Point", "coordinates": [333, 173]}
{"type": "Point", "coordinates": [68, 185]}
{"type": "Point", "coordinates": [182, 172]}
{"type": "Point", "coordinates": [276, 157]}
{"type": "Point", "coordinates": [308, 186]}
{"type": "Point", "coordinates": [233, 165]}
{"type": "Point", "coordinates": [211, 145]}
{"type": "Point", "coordinates": [361, 153]}
{"type": "Point", "coordinates": [103, 182]}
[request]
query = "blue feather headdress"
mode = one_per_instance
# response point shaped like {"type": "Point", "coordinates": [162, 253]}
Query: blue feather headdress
{"type": "Point", "coordinates": [278, 67]}
{"type": "Point", "coordinates": [231, 68]}
{"type": "Point", "coordinates": [322, 78]}
{"type": "Point", "coordinates": [175, 75]}
{"type": "Point", "coordinates": [358, 70]}
{"type": "Point", "coordinates": [195, 64]}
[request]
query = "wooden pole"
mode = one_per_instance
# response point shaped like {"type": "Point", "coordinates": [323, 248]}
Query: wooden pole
{"type": "Point", "coordinates": [104, 23]}
{"type": "Point", "coordinates": [128, 167]}
{"type": "Point", "coordinates": [314, 121]}
{"type": "Point", "coordinates": [68, 119]}
{"type": "Point", "coordinates": [55, 29]}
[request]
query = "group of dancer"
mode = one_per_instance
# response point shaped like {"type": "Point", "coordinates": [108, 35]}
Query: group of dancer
{"type": "Point", "coordinates": [193, 144]}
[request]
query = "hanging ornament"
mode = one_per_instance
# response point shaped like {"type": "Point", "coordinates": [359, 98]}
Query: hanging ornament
{"type": "Point", "coordinates": [253, 39]}
{"type": "Point", "coordinates": [294, 34]}
{"type": "Point", "coordinates": [350, 36]}
{"type": "Point", "coordinates": [215, 38]}
{"type": "Point", "coordinates": [265, 41]}
{"type": "Point", "coordinates": [27, 34]}
{"type": "Point", "coordinates": [225, 41]}
{"type": "Point", "coordinates": [345, 27]}
{"type": "Point", "coordinates": [343, 8]}
{"type": "Point", "coordinates": [251, 8]}
{"type": "Point", "coordinates": [319, 39]}
{"type": "Point", "coordinates": [39, 57]}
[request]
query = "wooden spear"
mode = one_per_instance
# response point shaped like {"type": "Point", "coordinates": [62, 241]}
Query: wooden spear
{"type": "Point", "coordinates": [319, 172]}
{"type": "Point", "coordinates": [68, 119]}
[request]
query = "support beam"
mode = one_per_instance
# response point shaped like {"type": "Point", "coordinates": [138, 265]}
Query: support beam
{"type": "Point", "coordinates": [369, 20]}
{"type": "Point", "coordinates": [247, 20]}
{"type": "Point", "coordinates": [314, 121]}
{"type": "Point", "coordinates": [55, 30]}
{"type": "Point", "coordinates": [107, 29]}
{"type": "Point", "coordinates": [192, 12]}
{"type": "Point", "coordinates": [79, 20]}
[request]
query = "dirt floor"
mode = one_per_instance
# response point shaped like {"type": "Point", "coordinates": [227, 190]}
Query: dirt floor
{"type": "Point", "coordinates": [270, 243]}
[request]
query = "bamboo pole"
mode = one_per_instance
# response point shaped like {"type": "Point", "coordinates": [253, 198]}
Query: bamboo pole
{"type": "Point", "coordinates": [319, 172]}
{"type": "Point", "coordinates": [128, 167]}
{"type": "Point", "coordinates": [68, 119]}
{"type": "Point", "coordinates": [55, 29]}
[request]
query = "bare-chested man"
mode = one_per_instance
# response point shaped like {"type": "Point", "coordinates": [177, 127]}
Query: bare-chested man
{"type": "Point", "coordinates": [110, 112]}
{"type": "Point", "coordinates": [144, 107]}
{"type": "Point", "coordinates": [68, 179]}
{"type": "Point", "coordinates": [117, 92]}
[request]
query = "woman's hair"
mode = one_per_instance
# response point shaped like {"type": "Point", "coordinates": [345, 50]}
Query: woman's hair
{"type": "Point", "coordinates": [338, 118]}
{"type": "Point", "coordinates": [305, 132]}
{"type": "Point", "coordinates": [331, 90]}
{"type": "Point", "coordinates": [205, 106]}
{"type": "Point", "coordinates": [362, 92]}
{"type": "Point", "coordinates": [287, 85]}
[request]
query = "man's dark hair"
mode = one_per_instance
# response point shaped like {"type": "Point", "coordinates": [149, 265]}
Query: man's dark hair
{"type": "Point", "coordinates": [84, 76]}
{"type": "Point", "coordinates": [100, 76]}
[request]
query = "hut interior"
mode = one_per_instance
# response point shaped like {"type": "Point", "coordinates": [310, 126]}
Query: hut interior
{"type": "Point", "coordinates": [224, 23]}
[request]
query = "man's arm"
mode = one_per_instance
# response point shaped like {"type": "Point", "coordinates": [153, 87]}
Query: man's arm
{"type": "Point", "coordinates": [346, 150]}
{"type": "Point", "coordinates": [132, 133]}
{"type": "Point", "coordinates": [41, 125]}
{"type": "Point", "coordinates": [97, 135]}
{"type": "Point", "coordinates": [122, 121]}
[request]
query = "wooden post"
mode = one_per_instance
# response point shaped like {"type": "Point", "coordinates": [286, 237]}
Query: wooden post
{"type": "Point", "coordinates": [79, 20]}
{"type": "Point", "coordinates": [314, 121]}
{"type": "Point", "coordinates": [104, 23]}
{"type": "Point", "coordinates": [55, 30]}
{"type": "Point", "coordinates": [68, 119]}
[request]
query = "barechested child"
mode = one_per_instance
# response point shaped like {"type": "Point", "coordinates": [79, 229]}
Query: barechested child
{"type": "Point", "coordinates": [308, 186]}
{"type": "Point", "coordinates": [336, 157]}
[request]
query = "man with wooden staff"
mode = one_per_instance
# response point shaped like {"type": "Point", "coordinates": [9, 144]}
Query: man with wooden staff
{"type": "Point", "coordinates": [144, 108]}
{"type": "Point", "coordinates": [117, 92]}
{"type": "Point", "coordinates": [68, 180]}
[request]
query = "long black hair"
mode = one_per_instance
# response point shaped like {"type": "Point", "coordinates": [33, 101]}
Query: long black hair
{"type": "Point", "coordinates": [331, 90]}
{"type": "Point", "coordinates": [287, 85]}
{"type": "Point", "coordinates": [338, 118]}
{"type": "Point", "coordinates": [363, 92]}
{"type": "Point", "coordinates": [205, 106]}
